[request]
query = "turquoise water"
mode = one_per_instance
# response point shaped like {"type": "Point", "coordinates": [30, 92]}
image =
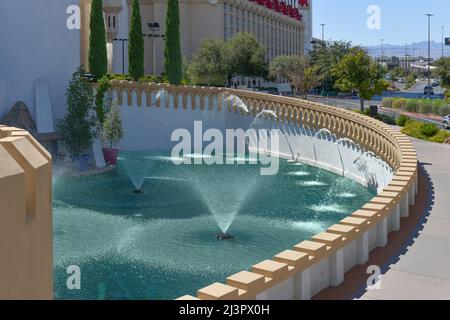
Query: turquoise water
{"type": "Point", "coordinates": [162, 244]}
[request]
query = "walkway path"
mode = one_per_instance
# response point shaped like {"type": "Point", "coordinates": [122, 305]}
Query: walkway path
{"type": "Point", "coordinates": [423, 272]}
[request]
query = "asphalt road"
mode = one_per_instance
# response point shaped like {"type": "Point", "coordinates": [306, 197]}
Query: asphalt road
{"type": "Point", "coordinates": [420, 86]}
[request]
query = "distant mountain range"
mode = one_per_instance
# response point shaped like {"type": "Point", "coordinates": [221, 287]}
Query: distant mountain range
{"type": "Point", "coordinates": [415, 49]}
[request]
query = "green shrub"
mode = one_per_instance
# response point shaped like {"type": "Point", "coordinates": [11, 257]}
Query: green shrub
{"type": "Point", "coordinates": [411, 105]}
{"type": "Point", "coordinates": [437, 105]}
{"type": "Point", "coordinates": [440, 137]}
{"type": "Point", "coordinates": [387, 102]}
{"type": "Point", "coordinates": [79, 124]}
{"type": "Point", "coordinates": [102, 87]}
{"type": "Point", "coordinates": [399, 103]}
{"type": "Point", "coordinates": [447, 94]}
{"type": "Point", "coordinates": [425, 131]}
{"type": "Point", "coordinates": [112, 126]}
{"type": "Point", "coordinates": [429, 129]}
{"type": "Point", "coordinates": [387, 119]}
{"type": "Point", "coordinates": [425, 106]}
{"type": "Point", "coordinates": [413, 129]}
{"type": "Point", "coordinates": [402, 120]}
{"type": "Point", "coordinates": [445, 110]}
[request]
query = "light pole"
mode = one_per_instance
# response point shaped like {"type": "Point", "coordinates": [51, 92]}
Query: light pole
{"type": "Point", "coordinates": [406, 58]}
{"type": "Point", "coordinates": [123, 40]}
{"type": "Point", "coordinates": [443, 40]}
{"type": "Point", "coordinates": [429, 15]}
{"type": "Point", "coordinates": [381, 51]}
{"type": "Point", "coordinates": [154, 28]}
{"type": "Point", "coordinates": [323, 31]}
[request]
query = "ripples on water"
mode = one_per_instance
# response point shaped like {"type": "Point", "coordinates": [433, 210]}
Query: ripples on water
{"type": "Point", "coordinates": [162, 244]}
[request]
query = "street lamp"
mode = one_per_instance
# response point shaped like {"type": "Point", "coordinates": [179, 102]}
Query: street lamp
{"type": "Point", "coordinates": [123, 40]}
{"type": "Point", "coordinates": [429, 15]}
{"type": "Point", "coordinates": [381, 51]}
{"type": "Point", "coordinates": [154, 28]}
{"type": "Point", "coordinates": [323, 31]}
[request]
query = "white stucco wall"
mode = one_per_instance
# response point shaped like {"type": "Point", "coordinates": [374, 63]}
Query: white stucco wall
{"type": "Point", "coordinates": [36, 44]}
{"type": "Point", "coordinates": [150, 128]}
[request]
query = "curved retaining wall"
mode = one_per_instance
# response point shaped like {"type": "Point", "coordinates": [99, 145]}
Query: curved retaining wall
{"type": "Point", "coordinates": [311, 266]}
{"type": "Point", "coordinates": [150, 128]}
{"type": "Point", "coordinates": [26, 235]}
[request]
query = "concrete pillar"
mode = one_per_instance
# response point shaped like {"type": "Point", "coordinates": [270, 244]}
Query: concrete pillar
{"type": "Point", "coordinates": [362, 248]}
{"type": "Point", "coordinates": [382, 232]}
{"type": "Point", "coordinates": [97, 151]}
{"type": "Point", "coordinates": [417, 183]}
{"type": "Point", "coordinates": [337, 268]}
{"type": "Point", "coordinates": [404, 206]}
{"type": "Point", "coordinates": [412, 195]}
{"type": "Point", "coordinates": [302, 285]}
{"type": "Point", "coordinates": [396, 218]}
{"type": "Point", "coordinates": [2, 97]}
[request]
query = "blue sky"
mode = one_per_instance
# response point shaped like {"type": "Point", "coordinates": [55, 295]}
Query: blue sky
{"type": "Point", "coordinates": [402, 21]}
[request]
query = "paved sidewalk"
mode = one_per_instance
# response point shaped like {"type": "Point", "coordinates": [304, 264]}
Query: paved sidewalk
{"type": "Point", "coordinates": [423, 271]}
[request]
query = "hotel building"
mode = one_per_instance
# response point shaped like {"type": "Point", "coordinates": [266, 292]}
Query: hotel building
{"type": "Point", "coordinates": [283, 27]}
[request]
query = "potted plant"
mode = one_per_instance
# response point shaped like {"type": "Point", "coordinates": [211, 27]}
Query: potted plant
{"type": "Point", "coordinates": [112, 133]}
{"type": "Point", "coordinates": [79, 123]}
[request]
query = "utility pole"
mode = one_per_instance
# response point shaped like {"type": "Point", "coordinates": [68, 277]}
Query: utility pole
{"type": "Point", "coordinates": [406, 58]}
{"type": "Point", "coordinates": [323, 32]}
{"type": "Point", "coordinates": [381, 51]}
{"type": "Point", "coordinates": [443, 40]}
{"type": "Point", "coordinates": [429, 15]}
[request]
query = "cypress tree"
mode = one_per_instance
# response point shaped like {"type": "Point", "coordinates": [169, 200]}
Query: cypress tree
{"type": "Point", "coordinates": [173, 63]}
{"type": "Point", "coordinates": [136, 44]}
{"type": "Point", "coordinates": [98, 57]}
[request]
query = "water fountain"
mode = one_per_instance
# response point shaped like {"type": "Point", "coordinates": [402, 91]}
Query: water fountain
{"type": "Point", "coordinates": [338, 143]}
{"type": "Point", "coordinates": [161, 96]}
{"type": "Point", "coordinates": [137, 170]}
{"type": "Point", "coordinates": [235, 101]}
{"type": "Point", "coordinates": [313, 138]}
{"type": "Point", "coordinates": [217, 188]}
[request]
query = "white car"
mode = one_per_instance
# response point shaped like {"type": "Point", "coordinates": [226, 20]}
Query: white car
{"type": "Point", "coordinates": [446, 122]}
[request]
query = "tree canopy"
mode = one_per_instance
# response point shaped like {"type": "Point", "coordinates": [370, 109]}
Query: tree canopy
{"type": "Point", "coordinates": [173, 61]}
{"type": "Point", "coordinates": [326, 57]}
{"type": "Point", "coordinates": [207, 65]}
{"type": "Point", "coordinates": [299, 71]}
{"type": "Point", "coordinates": [136, 44]}
{"type": "Point", "coordinates": [98, 56]}
{"type": "Point", "coordinates": [443, 70]}
{"type": "Point", "coordinates": [358, 72]}
{"type": "Point", "coordinates": [244, 56]}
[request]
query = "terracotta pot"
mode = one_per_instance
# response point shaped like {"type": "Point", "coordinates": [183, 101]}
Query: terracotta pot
{"type": "Point", "coordinates": [111, 155]}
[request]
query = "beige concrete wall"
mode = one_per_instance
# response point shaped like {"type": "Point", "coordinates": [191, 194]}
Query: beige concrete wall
{"type": "Point", "coordinates": [201, 19]}
{"type": "Point", "coordinates": [26, 236]}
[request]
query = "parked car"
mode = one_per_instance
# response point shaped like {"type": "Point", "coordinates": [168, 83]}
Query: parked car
{"type": "Point", "coordinates": [435, 84]}
{"type": "Point", "coordinates": [446, 122]}
{"type": "Point", "coordinates": [428, 91]}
